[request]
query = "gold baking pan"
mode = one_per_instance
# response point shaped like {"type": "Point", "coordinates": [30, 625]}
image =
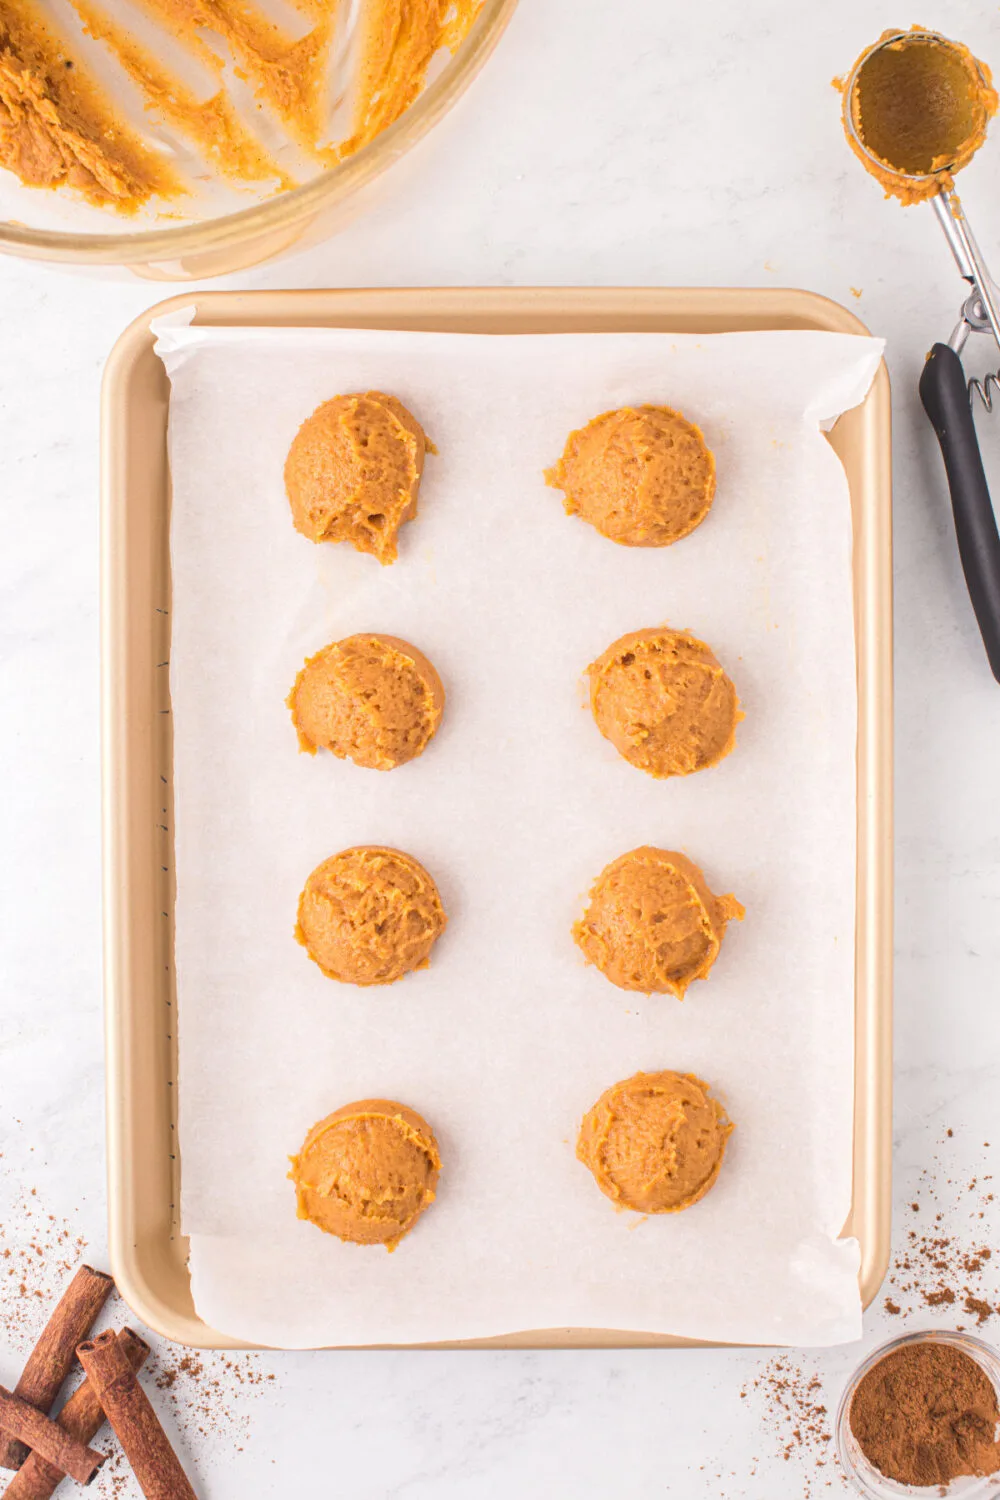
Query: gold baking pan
{"type": "Point", "coordinates": [148, 1251]}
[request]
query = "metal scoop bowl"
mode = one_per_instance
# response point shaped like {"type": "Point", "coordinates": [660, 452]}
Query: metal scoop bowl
{"type": "Point", "coordinates": [944, 390]}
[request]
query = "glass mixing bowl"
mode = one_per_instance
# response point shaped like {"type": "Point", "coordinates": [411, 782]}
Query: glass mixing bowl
{"type": "Point", "coordinates": [866, 1479]}
{"type": "Point", "coordinates": [289, 220]}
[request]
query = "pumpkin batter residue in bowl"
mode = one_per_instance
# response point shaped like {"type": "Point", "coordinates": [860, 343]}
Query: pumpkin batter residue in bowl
{"type": "Point", "coordinates": [141, 102]}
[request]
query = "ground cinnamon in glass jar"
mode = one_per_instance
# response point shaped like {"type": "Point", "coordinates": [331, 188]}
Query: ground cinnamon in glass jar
{"type": "Point", "coordinates": [926, 1414]}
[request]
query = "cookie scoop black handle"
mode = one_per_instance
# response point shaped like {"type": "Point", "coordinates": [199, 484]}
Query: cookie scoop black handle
{"type": "Point", "coordinates": [945, 394]}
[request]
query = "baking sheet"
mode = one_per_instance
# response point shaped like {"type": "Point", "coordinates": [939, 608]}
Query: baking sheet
{"type": "Point", "coordinates": [508, 1038]}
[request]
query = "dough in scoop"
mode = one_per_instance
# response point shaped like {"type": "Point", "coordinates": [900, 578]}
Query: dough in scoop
{"type": "Point", "coordinates": [642, 475]}
{"type": "Point", "coordinates": [652, 924]}
{"type": "Point", "coordinates": [353, 472]}
{"type": "Point", "coordinates": [369, 915]}
{"type": "Point", "coordinates": [367, 1172]}
{"type": "Point", "coordinates": [917, 112]}
{"type": "Point", "coordinates": [655, 1142]}
{"type": "Point", "coordinates": [373, 699]}
{"type": "Point", "coordinates": [662, 699]}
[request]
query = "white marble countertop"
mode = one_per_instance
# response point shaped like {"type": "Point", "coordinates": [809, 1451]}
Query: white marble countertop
{"type": "Point", "coordinates": [610, 145]}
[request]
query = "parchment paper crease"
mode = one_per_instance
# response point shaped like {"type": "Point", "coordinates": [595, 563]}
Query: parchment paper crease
{"type": "Point", "coordinates": [508, 1038]}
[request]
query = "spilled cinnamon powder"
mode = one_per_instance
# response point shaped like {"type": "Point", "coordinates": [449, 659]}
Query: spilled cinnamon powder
{"type": "Point", "coordinates": [210, 1393]}
{"type": "Point", "coordinates": [38, 1251]}
{"type": "Point", "coordinates": [793, 1412]}
{"type": "Point", "coordinates": [940, 1261]}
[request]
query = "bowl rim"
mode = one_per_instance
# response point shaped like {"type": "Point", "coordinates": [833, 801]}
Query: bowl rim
{"type": "Point", "coordinates": [285, 209]}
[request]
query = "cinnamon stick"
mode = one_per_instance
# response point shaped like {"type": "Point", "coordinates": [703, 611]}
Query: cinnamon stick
{"type": "Point", "coordinates": [82, 1417]}
{"type": "Point", "coordinates": [20, 1420]}
{"type": "Point", "coordinates": [52, 1358]}
{"type": "Point", "coordinates": [126, 1406]}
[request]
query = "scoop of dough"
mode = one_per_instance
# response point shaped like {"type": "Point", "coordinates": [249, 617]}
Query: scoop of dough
{"type": "Point", "coordinates": [655, 1142]}
{"type": "Point", "coordinates": [353, 472]}
{"type": "Point", "coordinates": [369, 915]}
{"type": "Point", "coordinates": [367, 1172]}
{"type": "Point", "coordinates": [652, 924]}
{"type": "Point", "coordinates": [642, 475]}
{"type": "Point", "coordinates": [373, 699]}
{"type": "Point", "coordinates": [662, 699]}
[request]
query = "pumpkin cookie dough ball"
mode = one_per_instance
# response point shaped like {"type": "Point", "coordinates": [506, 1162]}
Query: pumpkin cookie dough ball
{"type": "Point", "coordinates": [369, 915]}
{"type": "Point", "coordinates": [367, 1172]}
{"type": "Point", "coordinates": [662, 699]}
{"type": "Point", "coordinates": [652, 924]}
{"type": "Point", "coordinates": [642, 475]}
{"type": "Point", "coordinates": [655, 1143]}
{"type": "Point", "coordinates": [372, 699]}
{"type": "Point", "coordinates": [353, 472]}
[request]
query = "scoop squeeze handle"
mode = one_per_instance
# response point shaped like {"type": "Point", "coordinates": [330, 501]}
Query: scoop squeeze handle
{"type": "Point", "coordinates": [945, 395]}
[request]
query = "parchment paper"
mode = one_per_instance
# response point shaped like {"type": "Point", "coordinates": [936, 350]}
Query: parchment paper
{"type": "Point", "coordinates": [508, 1038]}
